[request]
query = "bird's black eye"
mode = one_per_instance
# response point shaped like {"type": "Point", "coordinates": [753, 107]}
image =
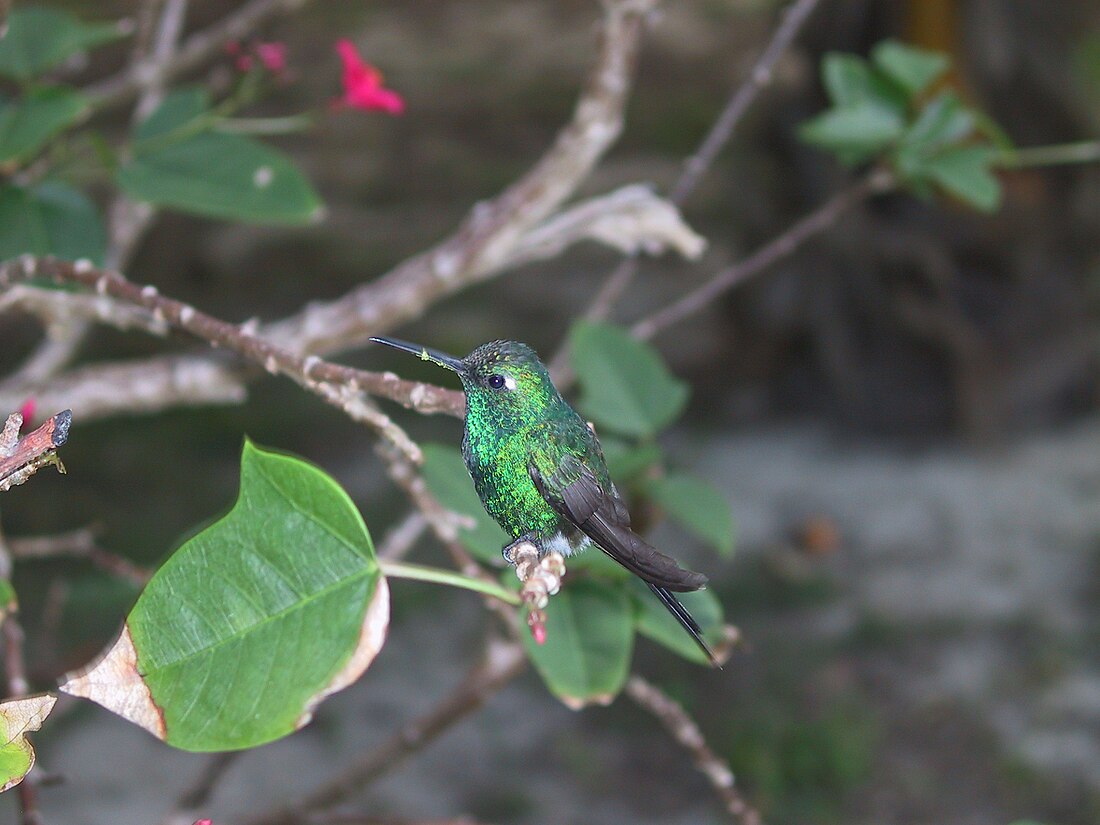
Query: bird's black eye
{"type": "Point", "coordinates": [496, 381]}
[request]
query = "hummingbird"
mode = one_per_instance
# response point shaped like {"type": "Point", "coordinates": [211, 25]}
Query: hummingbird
{"type": "Point", "coordinates": [540, 472]}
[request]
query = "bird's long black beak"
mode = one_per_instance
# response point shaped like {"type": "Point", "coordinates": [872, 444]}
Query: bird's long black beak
{"type": "Point", "coordinates": [425, 354]}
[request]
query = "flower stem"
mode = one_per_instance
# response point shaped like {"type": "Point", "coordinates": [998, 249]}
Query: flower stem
{"type": "Point", "coordinates": [1084, 151]}
{"type": "Point", "coordinates": [417, 572]}
{"type": "Point", "coordinates": [266, 125]}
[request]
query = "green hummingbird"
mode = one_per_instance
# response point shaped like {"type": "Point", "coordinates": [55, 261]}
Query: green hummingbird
{"type": "Point", "coordinates": [539, 470]}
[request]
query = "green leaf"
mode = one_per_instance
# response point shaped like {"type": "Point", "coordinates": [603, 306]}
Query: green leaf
{"type": "Point", "coordinates": [448, 480]}
{"type": "Point", "coordinates": [178, 109]}
{"type": "Point", "coordinates": [218, 175]}
{"type": "Point", "coordinates": [19, 717]}
{"type": "Point", "coordinates": [943, 120]}
{"type": "Point", "coordinates": [854, 133]}
{"type": "Point", "coordinates": [625, 385]}
{"type": "Point", "coordinates": [40, 38]}
{"type": "Point", "coordinates": [697, 506]}
{"type": "Point", "coordinates": [8, 600]}
{"type": "Point", "coordinates": [847, 78]}
{"type": "Point", "coordinates": [850, 82]}
{"type": "Point", "coordinates": [655, 622]}
{"type": "Point", "coordinates": [589, 640]}
{"type": "Point", "coordinates": [628, 461]}
{"type": "Point", "coordinates": [253, 621]}
{"type": "Point", "coordinates": [50, 219]}
{"type": "Point", "coordinates": [912, 68]}
{"type": "Point", "coordinates": [966, 173]}
{"type": "Point", "coordinates": [27, 123]}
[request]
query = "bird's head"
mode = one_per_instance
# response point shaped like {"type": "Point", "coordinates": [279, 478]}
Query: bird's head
{"type": "Point", "coordinates": [500, 377]}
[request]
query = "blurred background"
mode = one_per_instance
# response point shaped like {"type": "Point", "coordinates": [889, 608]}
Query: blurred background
{"type": "Point", "coordinates": [903, 416]}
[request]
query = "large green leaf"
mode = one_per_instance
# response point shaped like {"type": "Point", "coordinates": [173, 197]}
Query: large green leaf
{"type": "Point", "coordinates": [656, 623]}
{"type": "Point", "coordinates": [625, 385]}
{"type": "Point", "coordinates": [254, 620]}
{"type": "Point", "coordinates": [697, 506]}
{"type": "Point", "coordinates": [40, 38]}
{"type": "Point", "coordinates": [210, 173]}
{"type": "Point", "coordinates": [911, 68]}
{"type": "Point", "coordinates": [28, 122]}
{"type": "Point", "coordinates": [589, 640]}
{"type": "Point", "coordinates": [50, 219]}
{"type": "Point", "coordinates": [448, 480]}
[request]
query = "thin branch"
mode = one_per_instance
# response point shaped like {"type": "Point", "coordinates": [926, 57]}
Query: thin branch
{"type": "Point", "coordinates": [202, 789]}
{"type": "Point", "coordinates": [503, 662]}
{"type": "Point", "coordinates": [193, 53]}
{"type": "Point", "coordinates": [775, 250]}
{"type": "Point", "coordinates": [759, 77]}
{"type": "Point", "coordinates": [79, 544]}
{"type": "Point", "coordinates": [794, 18]}
{"type": "Point", "coordinates": [401, 538]}
{"type": "Point", "coordinates": [105, 390]}
{"type": "Point", "coordinates": [684, 730]}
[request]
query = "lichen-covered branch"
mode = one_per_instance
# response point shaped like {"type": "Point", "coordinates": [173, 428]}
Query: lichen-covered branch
{"type": "Point", "coordinates": [339, 385]}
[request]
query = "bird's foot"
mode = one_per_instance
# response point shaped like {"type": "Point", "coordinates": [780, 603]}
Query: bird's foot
{"type": "Point", "coordinates": [509, 550]}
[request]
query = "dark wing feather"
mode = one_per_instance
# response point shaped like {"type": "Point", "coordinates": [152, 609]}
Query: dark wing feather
{"type": "Point", "coordinates": [575, 493]}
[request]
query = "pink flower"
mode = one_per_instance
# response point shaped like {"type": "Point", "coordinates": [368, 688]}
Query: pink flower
{"type": "Point", "coordinates": [204, 822]}
{"type": "Point", "coordinates": [272, 56]}
{"type": "Point", "coordinates": [363, 84]}
{"type": "Point", "coordinates": [27, 410]}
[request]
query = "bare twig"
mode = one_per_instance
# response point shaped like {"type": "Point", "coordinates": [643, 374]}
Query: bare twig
{"type": "Point", "coordinates": [103, 390]}
{"type": "Point", "coordinates": [503, 661]}
{"type": "Point", "coordinates": [77, 544]}
{"type": "Point", "coordinates": [775, 250]}
{"type": "Point", "coordinates": [400, 538]}
{"type": "Point", "coordinates": [684, 730]}
{"type": "Point", "coordinates": [202, 789]}
{"type": "Point", "coordinates": [759, 77]}
{"type": "Point", "coordinates": [195, 50]}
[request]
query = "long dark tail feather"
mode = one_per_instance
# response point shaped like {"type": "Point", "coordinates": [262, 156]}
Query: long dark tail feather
{"type": "Point", "coordinates": [685, 619]}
